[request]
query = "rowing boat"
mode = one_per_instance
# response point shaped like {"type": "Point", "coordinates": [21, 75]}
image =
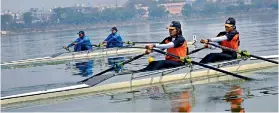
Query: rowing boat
{"type": "Point", "coordinates": [101, 52]}
{"type": "Point", "coordinates": [197, 74]}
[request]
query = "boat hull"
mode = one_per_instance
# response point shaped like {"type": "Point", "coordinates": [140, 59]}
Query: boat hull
{"type": "Point", "coordinates": [177, 76]}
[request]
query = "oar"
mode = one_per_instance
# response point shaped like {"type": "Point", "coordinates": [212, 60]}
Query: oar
{"type": "Point", "coordinates": [243, 53]}
{"type": "Point", "coordinates": [58, 54]}
{"type": "Point", "coordinates": [191, 52]}
{"type": "Point", "coordinates": [196, 50]}
{"type": "Point", "coordinates": [203, 65]}
{"type": "Point", "coordinates": [112, 68]}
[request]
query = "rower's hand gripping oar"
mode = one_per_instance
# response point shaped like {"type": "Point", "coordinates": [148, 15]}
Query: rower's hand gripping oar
{"type": "Point", "coordinates": [188, 60]}
{"type": "Point", "coordinates": [243, 53]}
{"type": "Point", "coordinates": [112, 68]}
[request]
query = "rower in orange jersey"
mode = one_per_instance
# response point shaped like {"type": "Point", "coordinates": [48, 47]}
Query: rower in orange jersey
{"type": "Point", "coordinates": [174, 44]}
{"type": "Point", "coordinates": [229, 38]}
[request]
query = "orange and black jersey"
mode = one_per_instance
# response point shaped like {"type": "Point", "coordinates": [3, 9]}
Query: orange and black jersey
{"type": "Point", "coordinates": [233, 40]}
{"type": "Point", "coordinates": [179, 41]}
{"type": "Point", "coordinates": [230, 35]}
{"type": "Point", "coordinates": [180, 47]}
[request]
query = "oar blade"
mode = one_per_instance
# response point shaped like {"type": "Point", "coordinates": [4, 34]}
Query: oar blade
{"type": "Point", "coordinates": [98, 79]}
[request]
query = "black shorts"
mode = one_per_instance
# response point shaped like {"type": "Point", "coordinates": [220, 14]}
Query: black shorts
{"type": "Point", "coordinates": [218, 57]}
{"type": "Point", "coordinates": [162, 64]}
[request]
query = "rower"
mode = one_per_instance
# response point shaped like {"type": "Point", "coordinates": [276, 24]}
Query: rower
{"type": "Point", "coordinates": [228, 38]}
{"type": "Point", "coordinates": [114, 39]}
{"type": "Point", "coordinates": [81, 44]}
{"type": "Point", "coordinates": [175, 44]}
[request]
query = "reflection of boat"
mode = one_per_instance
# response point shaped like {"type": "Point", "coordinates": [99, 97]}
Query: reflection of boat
{"type": "Point", "coordinates": [235, 98]}
{"type": "Point", "coordinates": [196, 75]}
{"type": "Point", "coordinates": [85, 69]}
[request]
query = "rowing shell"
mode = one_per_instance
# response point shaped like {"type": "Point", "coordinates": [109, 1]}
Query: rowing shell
{"type": "Point", "coordinates": [141, 81]}
{"type": "Point", "coordinates": [102, 52]}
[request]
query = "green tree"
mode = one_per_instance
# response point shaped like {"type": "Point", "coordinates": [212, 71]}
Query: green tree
{"type": "Point", "coordinates": [141, 12]}
{"type": "Point", "coordinates": [6, 21]}
{"type": "Point", "coordinates": [210, 8]}
{"type": "Point", "coordinates": [199, 3]}
{"type": "Point", "coordinates": [157, 11]}
{"type": "Point", "coordinates": [187, 10]}
{"type": "Point", "coordinates": [27, 18]}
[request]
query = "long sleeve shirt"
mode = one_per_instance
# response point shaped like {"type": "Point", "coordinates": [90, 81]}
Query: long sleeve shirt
{"type": "Point", "coordinates": [222, 36]}
{"type": "Point", "coordinates": [85, 41]}
{"type": "Point", "coordinates": [114, 40]}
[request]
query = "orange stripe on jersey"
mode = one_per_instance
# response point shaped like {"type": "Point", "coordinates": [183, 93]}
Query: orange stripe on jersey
{"type": "Point", "coordinates": [234, 43]}
{"type": "Point", "coordinates": [179, 51]}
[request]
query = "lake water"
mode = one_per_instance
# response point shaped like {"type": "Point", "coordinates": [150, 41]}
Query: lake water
{"type": "Point", "coordinates": [258, 35]}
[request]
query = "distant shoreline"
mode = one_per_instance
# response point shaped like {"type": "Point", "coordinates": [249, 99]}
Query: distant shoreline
{"type": "Point", "coordinates": [60, 28]}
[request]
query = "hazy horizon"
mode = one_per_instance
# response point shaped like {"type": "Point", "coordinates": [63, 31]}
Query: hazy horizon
{"type": "Point", "coordinates": [25, 5]}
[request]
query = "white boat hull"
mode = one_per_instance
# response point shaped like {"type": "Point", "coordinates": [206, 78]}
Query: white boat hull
{"type": "Point", "coordinates": [133, 84]}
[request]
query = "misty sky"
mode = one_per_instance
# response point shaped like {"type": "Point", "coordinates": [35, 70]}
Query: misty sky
{"type": "Point", "coordinates": [24, 5]}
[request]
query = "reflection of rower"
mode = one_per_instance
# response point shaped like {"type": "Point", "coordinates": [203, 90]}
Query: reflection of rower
{"type": "Point", "coordinates": [184, 105]}
{"type": "Point", "coordinates": [115, 60]}
{"type": "Point", "coordinates": [85, 68]}
{"type": "Point", "coordinates": [234, 97]}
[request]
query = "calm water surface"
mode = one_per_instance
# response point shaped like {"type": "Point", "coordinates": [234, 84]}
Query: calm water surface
{"type": "Point", "coordinates": [258, 35]}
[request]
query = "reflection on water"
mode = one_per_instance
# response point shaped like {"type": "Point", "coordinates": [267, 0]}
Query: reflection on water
{"type": "Point", "coordinates": [256, 31]}
{"type": "Point", "coordinates": [86, 68]}
{"type": "Point", "coordinates": [234, 97]}
{"type": "Point", "coordinates": [183, 104]}
{"type": "Point", "coordinates": [114, 61]}
{"type": "Point", "coordinates": [83, 68]}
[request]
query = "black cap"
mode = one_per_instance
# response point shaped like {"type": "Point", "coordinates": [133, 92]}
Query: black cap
{"type": "Point", "coordinates": [175, 24]}
{"type": "Point", "coordinates": [114, 28]}
{"type": "Point", "coordinates": [81, 32]}
{"type": "Point", "coordinates": [230, 21]}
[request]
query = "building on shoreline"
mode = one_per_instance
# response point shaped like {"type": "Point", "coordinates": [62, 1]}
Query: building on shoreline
{"type": "Point", "coordinates": [174, 8]}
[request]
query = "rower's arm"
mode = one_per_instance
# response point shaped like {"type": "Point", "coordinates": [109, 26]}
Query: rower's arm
{"type": "Point", "coordinates": [85, 39]}
{"type": "Point", "coordinates": [212, 47]}
{"type": "Point", "coordinates": [218, 39]}
{"type": "Point", "coordinates": [174, 44]}
{"type": "Point", "coordinates": [108, 38]}
{"type": "Point", "coordinates": [165, 46]}
{"type": "Point", "coordinates": [71, 44]}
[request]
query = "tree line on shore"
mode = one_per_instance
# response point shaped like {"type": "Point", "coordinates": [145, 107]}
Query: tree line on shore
{"type": "Point", "coordinates": [130, 11]}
